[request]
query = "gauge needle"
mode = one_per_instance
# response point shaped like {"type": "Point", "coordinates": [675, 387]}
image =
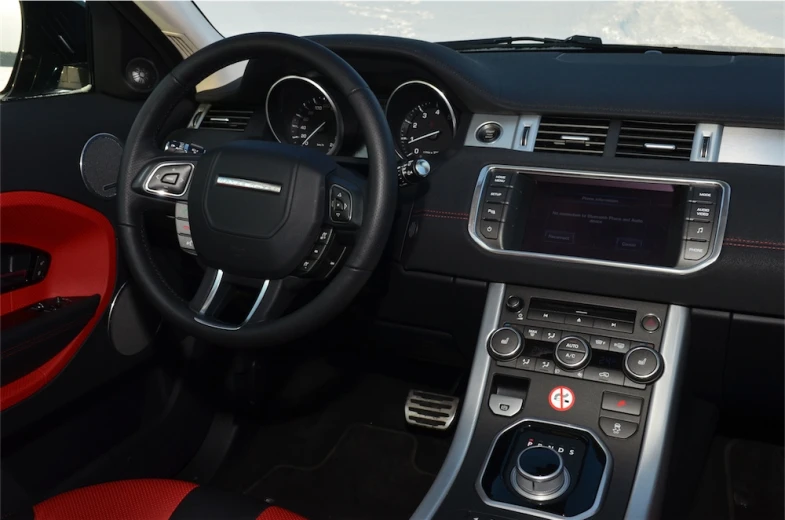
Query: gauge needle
{"type": "Point", "coordinates": [317, 129]}
{"type": "Point", "coordinates": [414, 140]}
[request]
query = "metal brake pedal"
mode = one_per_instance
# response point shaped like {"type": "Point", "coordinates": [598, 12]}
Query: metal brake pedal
{"type": "Point", "coordinates": [429, 410]}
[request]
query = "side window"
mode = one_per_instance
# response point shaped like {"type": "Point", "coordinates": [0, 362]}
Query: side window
{"type": "Point", "coordinates": [51, 55]}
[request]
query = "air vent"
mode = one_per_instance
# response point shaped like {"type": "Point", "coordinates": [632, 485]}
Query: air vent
{"type": "Point", "coordinates": [219, 118]}
{"type": "Point", "coordinates": [571, 135]}
{"type": "Point", "coordinates": [655, 140]}
{"type": "Point", "coordinates": [181, 42]}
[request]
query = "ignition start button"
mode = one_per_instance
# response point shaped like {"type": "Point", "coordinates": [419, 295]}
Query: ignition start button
{"type": "Point", "coordinates": [488, 132]}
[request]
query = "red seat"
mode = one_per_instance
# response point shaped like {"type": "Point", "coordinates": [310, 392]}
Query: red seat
{"type": "Point", "coordinates": [155, 499]}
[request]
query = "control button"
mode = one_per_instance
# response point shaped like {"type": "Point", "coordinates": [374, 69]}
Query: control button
{"type": "Point", "coordinates": [499, 195]}
{"type": "Point", "coordinates": [494, 211]}
{"type": "Point", "coordinates": [181, 210]}
{"type": "Point", "coordinates": [551, 336]}
{"type": "Point", "coordinates": [572, 353]}
{"type": "Point", "coordinates": [186, 242]}
{"type": "Point", "coordinates": [619, 345]}
{"type": "Point", "coordinates": [525, 363]}
{"type": "Point", "coordinates": [324, 236]}
{"type": "Point", "coordinates": [509, 363]}
{"type": "Point", "coordinates": [544, 365]}
{"type": "Point", "coordinates": [539, 474]}
{"type": "Point", "coordinates": [514, 303]}
{"type": "Point", "coordinates": [183, 227]}
{"type": "Point", "coordinates": [628, 404]}
{"type": "Point", "coordinates": [642, 364]}
{"type": "Point", "coordinates": [568, 358]}
{"type": "Point", "coordinates": [616, 326]}
{"type": "Point", "coordinates": [501, 179]}
{"type": "Point", "coordinates": [576, 374]}
{"type": "Point", "coordinates": [505, 405]}
{"type": "Point", "coordinates": [695, 250]}
{"type": "Point", "coordinates": [532, 333]}
{"type": "Point", "coordinates": [505, 343]}
{"type": "Point", "coordinates": [604, 375]}
{"type": "Point", "coordinates": [553, 317]}
{"type": "Point", "coordinates": [629, 383]}
{"type": "Point", "coordinates": [617, 428]}
{"type": "Point", "coordinates": [700, 211]}
{"type": "Point", "coordinates": [317, 250]}
{"type": "Point", "coordinates": [704, 194]}
{"type": "Point", "coordinates": [488, 133]}
{"type": "Point", "coordinates": [340, 204]}
{"type": "Point", "coordinates": [306, 265]}
{"type": "Point", "coordinates": [581, 321]}
{"type": "Point", "coordinates": [650, 323]}
{"type": "Point", "coordinates": [489, 230]}
{"type": "Point", "coordinates": [170, 178]}
{"type": "Point", "coordinates": [700, 231]}
{"type": "Point", "coordinates": [600, 343]}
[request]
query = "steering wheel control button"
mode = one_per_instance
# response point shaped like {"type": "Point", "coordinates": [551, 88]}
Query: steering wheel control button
{"type": "Point", "coordinates": [324, 236]}
{"type": "Point", "coordinates": [545, 366]}
{"type": "Point", "coordinates": [600, 343]}
{"type": "Point", "coordinates": [604, 375]}
{"type": "Point", "coordinates": [572, 353]}
{"type": "Point", "coordinates": [340, 204]}
{"type": "Point", "coordinates": [489, 230]}
{"type": "Point", "coordinates": [650, 323]}
{"type": "Point", "coordinates": [182, 226]}
{"type": "Point", "coordinates": [181, 211]}
{"type": "Point", "coordinates": [617, 428]}
{"type": "Point", "coordinates": [643, 364]}
{"type": "Point", "coordinates": [488, 133]}
{"type": "Point", "coordinates": [539, 474]}
{"type": "Point", "coordinates": [514, 303]}
{"type": "Point", "coordinates": [186, 242]}
{"type": "Point", "coordinates": [505, 405]}
{"type": "Point", "coordinates": [613, 325]}
{"type": "Point", "coordinates": [501, 179]}
{"type": "Point", "coordinates": [307, 265]}
{"type": "Point", "coordinates": [505, 343]}
{"type": "Point", "coordinates": [169, 179]}
{"type": "Point", "coordinates": [317, 251]}
{"type": "Point", "coordinates": [628, 404]}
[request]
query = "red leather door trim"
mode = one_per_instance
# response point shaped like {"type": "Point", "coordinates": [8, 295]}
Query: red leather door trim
{"type": "Point", "coordinates": [82, 244]}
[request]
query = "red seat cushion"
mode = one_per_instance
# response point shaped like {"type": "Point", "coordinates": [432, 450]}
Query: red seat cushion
{"type": "Point", "coordinates": [153, 499]}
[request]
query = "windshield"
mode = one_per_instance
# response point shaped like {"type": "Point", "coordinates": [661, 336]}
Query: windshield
{"type": "Point", "coordinates": [722, 26]}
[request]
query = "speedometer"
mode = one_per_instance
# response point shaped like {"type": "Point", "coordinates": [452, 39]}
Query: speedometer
{"type": "Point", "coordinates": [301, 112]}
{"type": "Point", "coordinates": [422, 118]}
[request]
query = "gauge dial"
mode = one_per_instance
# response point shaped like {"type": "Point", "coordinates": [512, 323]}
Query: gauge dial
{"type": "Point", "coordinates": [426, 130]}
{"type": "Point", "coordinates": [314, 124]}
{"type": "Point", "coordinates": [422, 118]}
{"type": "Point", "coordinates": [301, 112]}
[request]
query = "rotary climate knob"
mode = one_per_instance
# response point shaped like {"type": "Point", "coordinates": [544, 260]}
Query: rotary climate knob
{"type": "Point", "coordinates": [572, 353]}
{"type": "Point", "coordinates": [505, 343]}
{"type": "Point", "coordinates": [539, 474]}
{"type": "Point", "coordinates": [643, 364]}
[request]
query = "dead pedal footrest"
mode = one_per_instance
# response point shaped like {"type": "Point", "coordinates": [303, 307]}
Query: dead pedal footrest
{"type": "Point", "coordinates": [429, 410]}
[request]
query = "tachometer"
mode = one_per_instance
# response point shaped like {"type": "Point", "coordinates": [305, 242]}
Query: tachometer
{"type": "Point", "coordinates": [422, 118]}
{"type": "Point", "coordinates": [302, 113]}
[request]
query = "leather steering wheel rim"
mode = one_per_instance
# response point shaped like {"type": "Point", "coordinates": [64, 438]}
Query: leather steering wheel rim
{"type": "Point", "coordinates": [379, 198]}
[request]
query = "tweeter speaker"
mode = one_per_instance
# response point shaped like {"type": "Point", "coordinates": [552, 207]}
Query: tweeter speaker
{"type": "Point", "coordinates": [141, 75]}
{"type": "Point", "coordinates": [100, 164]}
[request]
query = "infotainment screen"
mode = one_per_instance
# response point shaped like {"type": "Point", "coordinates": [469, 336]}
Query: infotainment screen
{"type": "Point", "coordinates": [613, 220]}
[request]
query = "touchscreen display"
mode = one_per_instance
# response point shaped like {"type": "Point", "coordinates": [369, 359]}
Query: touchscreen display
{"type": "Point", "coordinates": [608, 220]}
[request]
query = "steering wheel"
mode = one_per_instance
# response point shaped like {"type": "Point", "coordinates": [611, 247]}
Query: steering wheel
{"type": "Point", "coordinates": [256, 209]}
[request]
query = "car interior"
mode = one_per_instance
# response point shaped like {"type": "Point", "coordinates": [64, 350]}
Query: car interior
{"type": "Point", "coordinates": [357, 276]}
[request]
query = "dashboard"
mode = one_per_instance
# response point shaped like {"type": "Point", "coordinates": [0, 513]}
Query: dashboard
{"type": "Point", "coordinates": [657, 120]}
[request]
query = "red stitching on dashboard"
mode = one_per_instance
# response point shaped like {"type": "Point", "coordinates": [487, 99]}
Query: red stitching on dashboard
{"type": "Point", "coordinates": [439, 212]}
{"type": "Point", "coordinates": [781, 248]}
{"type": "Point", "coordinates": [778, 244]}
{"type": "Point", "coordinates": [441, 216]}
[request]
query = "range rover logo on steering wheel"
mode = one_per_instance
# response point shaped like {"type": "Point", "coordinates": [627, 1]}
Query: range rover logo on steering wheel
{"type": "Point", "coordinates": [249, 185]}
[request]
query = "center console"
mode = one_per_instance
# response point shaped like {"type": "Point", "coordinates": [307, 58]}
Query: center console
{"type": "Point", "coordinates": [569, 409]}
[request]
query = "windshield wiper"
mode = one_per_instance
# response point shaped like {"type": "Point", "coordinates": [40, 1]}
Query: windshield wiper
{"type": "Point", "coordinates": [576, 41]}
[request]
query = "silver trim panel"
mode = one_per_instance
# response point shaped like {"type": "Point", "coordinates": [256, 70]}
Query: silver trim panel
{"type": "Point", "coordinates": [336, 111]}
{"type": "Point", "coordinates": [752, 146]}
{"type": "Point", "coordinates": [598, 500]}
{"type": "Point", "coordinates": [470, 411]}
{"type": "Point", "coordinates": [236, 182]}
{"type": "Point", "coordinates": [719, 225]}
{"type": "Point", "coordinates": [162, 193]}
{"type": "Point", "coordinates": [714, 135]}
{"type": "Point", "coordinates": [200, 318]}
{"type": "Point", "coordinates": [648, 486]}
{"type": "Point", "coordinates": [201, 110]}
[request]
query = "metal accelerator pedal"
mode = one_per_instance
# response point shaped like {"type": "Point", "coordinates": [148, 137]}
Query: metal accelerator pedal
{"type": "Point", "coordinates": [429, 410]}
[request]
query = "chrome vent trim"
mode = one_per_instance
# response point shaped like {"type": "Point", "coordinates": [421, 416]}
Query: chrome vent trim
{"type": "Point", "coordinates": [575, 135]}
{"type": "Point", "coordinates": [181, 42]}
{"type": "Point", "coordinates": [219, 118]}
{"type": "Point", "coordinates": [656, 140]}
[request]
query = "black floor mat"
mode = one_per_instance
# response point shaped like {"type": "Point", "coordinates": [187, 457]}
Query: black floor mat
{"type": "Point", "coordinates": [370, 473]}
{"type": "Point", "coordinates": [755, 474]}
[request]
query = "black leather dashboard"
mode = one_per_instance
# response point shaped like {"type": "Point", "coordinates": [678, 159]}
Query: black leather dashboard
{"type": "Point", "coordinates": [743, 90]}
